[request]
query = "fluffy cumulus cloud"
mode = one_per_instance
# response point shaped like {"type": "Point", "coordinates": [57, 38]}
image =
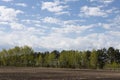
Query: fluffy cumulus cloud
{"type": "Point", "coordinates": [11, 39]}
{"type": "Point", "coordinates": [51, 20]}
{"type": "Point", "coordinates": [8, 14]}
{"type": "Point", "coordinates": [97, 11]}
{"type": "Point", "coordinates": [55, 7]}
{"type": "Point", "coordinates": [20, 37]}
{"type": "Point", "coordinates": [92, 11]}
{"type": "Point", "coordinates": [13, 33]}
{"type": "Point", "coordinates": [16, 26]}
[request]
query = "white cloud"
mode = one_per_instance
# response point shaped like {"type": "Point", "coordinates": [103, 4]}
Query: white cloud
{"type": "Point", "coordinates": [29, 21]}
{"type": "Point", "coordinates": [68, 34]}
{"type": "Point", "coordinates": [92, 11]}
{"type": "Point", "coordinates": [7, 0]}
{"type": "Point", "coordinates": [55, 7]}
{"type": "Point", "coordinates": [103, 1]}
{"type": "Point", "coordinates": [4, 23]}
{"type": "Point", "coordinates": [57, 38]}
{"type": "Point", "coordinates": [61, 22]}
{"type": "Point", "coordinates": [68, 29]}
{"type": "Point", "coordinates": [28, 36]}
{"type": "Point", "coordinates": [115, 33]}
{"type": "Point", "coordinates": [70, 0]}
{"type": "Point", "coordinates": [33, 7]}
{"type": "Point", "coordinates": [8, 14]}
{"type": "Point", "coordinates": [103, 25]}
{"type": "Point", "coordinates": [73, 22]}
{"type": "Point", "coordinates": [67, 1]}
{"type": "Point", "coordinates": [21, 4]}
{"type": "Point", "coordinates": [51, 20]}
{"type": "Point", "coordinates": [35, 23]}
{"type": "Point", "coordinates": [16, 26]}
{"type": "Point", "coordinates": [112, 24]}
{"type": "Point", "coordinates": [106, 26]}
{"type": "Point", "coordinates": [116, 22]}
{"type": "Point", "coordinates": [19, 34]}
{"type": "Point", "coordinates": [65, 12]}
{"type": "Point", "coordinates": [91, 41]}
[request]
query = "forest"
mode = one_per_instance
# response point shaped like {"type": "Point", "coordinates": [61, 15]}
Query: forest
{"type": "Point", "coordinates": [106, 58]}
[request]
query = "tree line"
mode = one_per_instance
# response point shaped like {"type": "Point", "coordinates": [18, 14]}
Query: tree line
{"type": "Point", "coordinates": [94, 59]}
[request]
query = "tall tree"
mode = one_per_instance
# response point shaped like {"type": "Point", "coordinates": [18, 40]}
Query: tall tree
{"type": "Point", "coordinates": [102, 57]}
{"type": "Point", "coordinates": [86, 59]}
{"type": "Point", "coordinates": [111, 55]}
{"type": "Point", "coordinates": [63, 59]}
{"type": "Point", "coordinates": [94, 59]}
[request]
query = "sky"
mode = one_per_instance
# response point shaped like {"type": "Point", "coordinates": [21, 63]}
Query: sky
{"type": "Point", "coordinates": [47, 25]}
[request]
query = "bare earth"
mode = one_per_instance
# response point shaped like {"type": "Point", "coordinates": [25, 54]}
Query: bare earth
{"type": "Point", "coordinates": [29, 73]}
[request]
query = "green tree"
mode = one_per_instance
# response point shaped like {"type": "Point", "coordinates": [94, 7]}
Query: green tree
{"type": "Point", "coordinates": [75, 59]}
{"type": "Point", "coordinates": [94, 59]}
{"type": "Point", "coordinates": [26, 56]}
{"type": "Point", "coordinates": [86, 59]}
{"type": "Point", "coordinates": [102, 58]}
{"type": "Point", "coordinates": [63, 59]}
{"type": "Point", "coordinates": [117, 56]}
{"type": "Point", "coordinates": [111, 55]}
{"type": "Point", "coordinates": [39, 61]}
{"type": "Point", "coordinates": [3, 58]}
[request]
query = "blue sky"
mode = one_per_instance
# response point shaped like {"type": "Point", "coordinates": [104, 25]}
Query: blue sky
{"type": "Point", "coordinates": [60, 24]}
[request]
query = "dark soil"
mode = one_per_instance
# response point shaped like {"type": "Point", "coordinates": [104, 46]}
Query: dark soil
{"type": "Point", "coordinates": [29, 73]}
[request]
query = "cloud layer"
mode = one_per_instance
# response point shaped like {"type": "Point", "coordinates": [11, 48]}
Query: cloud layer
{"type": "Point", "coordinates": [60, 24]}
